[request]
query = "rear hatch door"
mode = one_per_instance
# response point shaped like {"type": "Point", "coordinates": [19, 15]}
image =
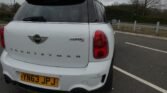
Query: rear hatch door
{"type": "Point", "coordinates": [50, 35]}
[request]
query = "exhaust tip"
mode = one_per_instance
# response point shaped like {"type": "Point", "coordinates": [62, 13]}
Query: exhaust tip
{"type": "Point", "coordinates": [79, 90]}
{"type": "Point", "coordinates": [103, 78]}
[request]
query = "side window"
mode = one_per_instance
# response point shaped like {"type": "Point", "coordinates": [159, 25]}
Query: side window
{"type": "Point", "coordinates": [100, 12]}
{"type": "Point", "coordinates": [104, 13]}
{"type": "Point", "coordinates": [93, 17]}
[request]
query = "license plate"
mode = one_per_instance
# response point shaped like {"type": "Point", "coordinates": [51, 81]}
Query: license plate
{"type": "Point", "coordinates": [39, 80]}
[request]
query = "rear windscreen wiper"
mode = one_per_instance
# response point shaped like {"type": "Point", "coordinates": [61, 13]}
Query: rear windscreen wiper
{"type": "Point", "coordinates": [35, 18]}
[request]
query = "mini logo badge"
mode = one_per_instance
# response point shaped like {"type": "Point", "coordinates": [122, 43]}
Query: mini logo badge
{"type": "Point", "coordinates": [37, 39]}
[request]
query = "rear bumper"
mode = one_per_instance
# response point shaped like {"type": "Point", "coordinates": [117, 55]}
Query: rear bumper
{"type": "Point", "coordinates": [89, 78]}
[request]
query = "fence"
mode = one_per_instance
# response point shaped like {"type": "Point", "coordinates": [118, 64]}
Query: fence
{"type": "Point", "coordinates": [153, 29]}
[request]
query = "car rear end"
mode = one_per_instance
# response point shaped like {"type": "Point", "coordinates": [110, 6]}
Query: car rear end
{"type": "Point", "coordinates": [58, 45]}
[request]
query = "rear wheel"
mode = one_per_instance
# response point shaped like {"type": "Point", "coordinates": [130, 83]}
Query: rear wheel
{"type": "Point", "coordinates": [79, 90]}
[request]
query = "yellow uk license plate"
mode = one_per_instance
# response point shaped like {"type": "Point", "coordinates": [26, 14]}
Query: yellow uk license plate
{"type": "Point", "coordinates": [40, 80]}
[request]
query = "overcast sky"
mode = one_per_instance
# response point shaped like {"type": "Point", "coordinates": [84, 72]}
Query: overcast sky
{"type": "Point", "coordinates": [106, 2]}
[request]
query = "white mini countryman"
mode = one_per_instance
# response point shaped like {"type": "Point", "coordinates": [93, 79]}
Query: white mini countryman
{"type": "Point", "coordinates": [59, 45]}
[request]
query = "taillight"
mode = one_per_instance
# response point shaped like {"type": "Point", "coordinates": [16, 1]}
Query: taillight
{"type": "Point", "coordinates": [2, 41]}
{"type": "Point", "coordinates": [100, 45]}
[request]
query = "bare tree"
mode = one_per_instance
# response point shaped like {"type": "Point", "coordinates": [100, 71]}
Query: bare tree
{"type": "Point", "coordinates": [136, 6]}
{"type": "Point", "coordinates": [135, 1]}
{"type": "Point", "coordinates": [151, 3]}
{"type": "Point", "coordinates": [146, 4]}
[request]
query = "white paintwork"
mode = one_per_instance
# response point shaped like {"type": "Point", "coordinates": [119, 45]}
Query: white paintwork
{"type": "Point", "coordinates": [107, 29]}
{"type": "Point", "coordinates": [88, 78]}
{"type": "Point", "coordinates": [58, 43]}
{"type": "Point", "coordinates": [84, 72]}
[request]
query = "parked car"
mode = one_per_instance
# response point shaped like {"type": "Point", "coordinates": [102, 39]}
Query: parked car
{"type": "Point", "coordinates": [59, 45]}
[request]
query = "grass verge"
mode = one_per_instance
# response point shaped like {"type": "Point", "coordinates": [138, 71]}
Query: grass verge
{"type": "Point", "coordinates": [141, 30]}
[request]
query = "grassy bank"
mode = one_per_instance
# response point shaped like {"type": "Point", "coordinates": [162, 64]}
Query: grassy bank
{"type": "Point", "coordinates": [148, 30]}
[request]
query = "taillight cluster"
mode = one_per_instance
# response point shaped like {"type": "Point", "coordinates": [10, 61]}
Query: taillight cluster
{"type": "Point", "coordinates": [2, 41]}
{"type": "Point", "coordinates": [100, 45]}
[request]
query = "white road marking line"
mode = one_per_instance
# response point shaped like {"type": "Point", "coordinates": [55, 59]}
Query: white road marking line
{"type": "Point", "coordinates": [145, 47]}
{"type": "Point", "coordinates": [141, 80]}
{"type": "Point", "coordinates": [141, 35]}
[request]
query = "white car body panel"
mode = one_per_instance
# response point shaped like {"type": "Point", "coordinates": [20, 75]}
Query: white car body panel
{"type": "Point", "coordinates": [55, 50]}
{"type": "Point", "coordinates": [107, 29]}
{"type": "Point", "coordinates": [88, 78]}
{"type": "Point", "coordinates": [67, 53]}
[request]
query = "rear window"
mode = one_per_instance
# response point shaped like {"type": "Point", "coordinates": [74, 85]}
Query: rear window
{"type": "Point", "coordinates": [53, 13]}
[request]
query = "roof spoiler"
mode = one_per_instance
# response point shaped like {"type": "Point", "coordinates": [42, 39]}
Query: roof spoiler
{"type": "Point", "coordinates": [55, 2]}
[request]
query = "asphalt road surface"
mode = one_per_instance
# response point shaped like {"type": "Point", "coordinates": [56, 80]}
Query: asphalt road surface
{"type": "Point", "coordinates": [140, 66]}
